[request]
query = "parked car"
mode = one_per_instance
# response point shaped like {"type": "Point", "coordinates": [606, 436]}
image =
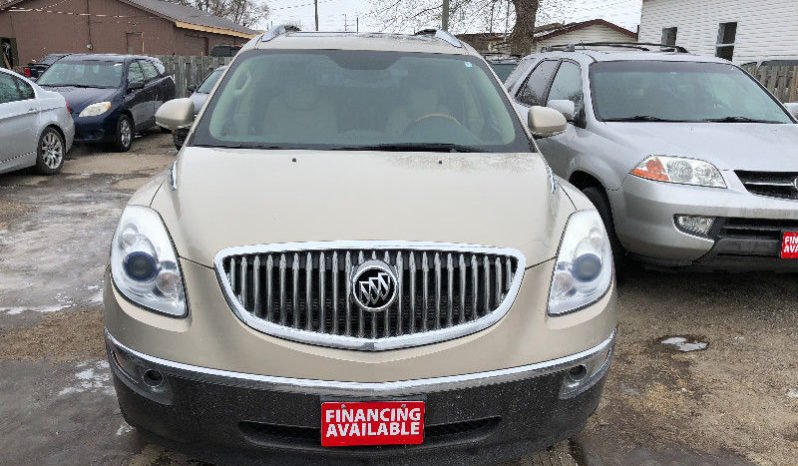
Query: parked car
{"type": "Point", "coordinates": [225, 50]}
{"type": "Point", "coordinates": [112, 96]}
{"type": "Point", "coordinates": [198, 97]}
{"type": "Point", "coordinates": [360, 244]}
{"type": "Point", "coordinates": [503, 65]}
{"type": "Point", "coordinates": [35, 68]}
{"type": "Point", "coordinates": [35, 126]}
{"type": "Point", "coordinates": [689, 159]}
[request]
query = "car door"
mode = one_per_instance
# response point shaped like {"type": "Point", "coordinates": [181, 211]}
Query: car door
{"type": "Point", "coordinates": [18, 117]}
{"type": "Point", "coordinates": [135, 97]}
{"type": "Point", "coordinates": [151, 91]}
{"type": "Point", "coordinates": [562, 150]}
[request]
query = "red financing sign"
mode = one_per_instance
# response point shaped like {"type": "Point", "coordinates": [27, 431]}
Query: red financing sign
{"type": "Point", "coordinates": [789, 246]}
{"type": "Point", "coordinates": [373, 423]}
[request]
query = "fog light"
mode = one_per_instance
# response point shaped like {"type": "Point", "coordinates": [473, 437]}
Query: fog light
{"type": "Point", "coordinates": [695, 225]}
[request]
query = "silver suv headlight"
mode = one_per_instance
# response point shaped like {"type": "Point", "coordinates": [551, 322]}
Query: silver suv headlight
{"type": "Point", "coordinates": [680, 170]}
{"type": "Point", "coordinates": [583, 271]}
{"type": "Point", "coordinates": [144, 264]}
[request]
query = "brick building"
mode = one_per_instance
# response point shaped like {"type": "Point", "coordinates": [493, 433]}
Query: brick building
{"type": "Point", "coordinates": [30, 29]}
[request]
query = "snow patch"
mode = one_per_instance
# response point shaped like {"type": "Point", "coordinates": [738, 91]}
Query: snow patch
{"type": "Point", "coordinates": [13, 311]}
{"type": "Point", "coordinates": [93, 377]}
{"type": "Point", "coordinates": [683, 345]}
{"type": "Point", "coordinates": [792, 393]}
{"type": "Point", "coordinates": [123, 429]}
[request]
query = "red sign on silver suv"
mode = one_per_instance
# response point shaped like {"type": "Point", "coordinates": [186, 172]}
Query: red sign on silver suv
{"type": "Point", "coordinates": [373, 423]}
{"type": "Point", "coordinates": [789, 246]}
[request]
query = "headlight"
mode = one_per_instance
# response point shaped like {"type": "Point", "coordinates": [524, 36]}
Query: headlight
{"type": "Point", "coordinates": [96, 109]}
{"type": "Point", "coordinates": [680, 170]}
{"type": "Point", "coordinates": [583, 271]}
{"type": "Point", "coordinates": [144, 263]}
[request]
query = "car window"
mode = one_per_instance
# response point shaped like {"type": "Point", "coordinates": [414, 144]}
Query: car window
{"type": "Point", "coordinates": [9, 92]}
{"type": "Point", "coordinates": [149, 70]}
{"type": "Point", "coordinates": [159, 66]}
{"type": "Point", "coordinates": [207, 86]}
{"type": "Point", "coordinates": [534, 89]}
{"type": "Point", "coordinates": [25, 90]}
{"type": "Point", "coordinates": [358, 99]}
{"type": "Point", "coordinates": [567, 85]}
{"type": "Point", "coordinates": [680, 91]}
{"type": "Point", "coordinates": [134, 73]}
{"type": "Point", "coordinates": [89, 73]}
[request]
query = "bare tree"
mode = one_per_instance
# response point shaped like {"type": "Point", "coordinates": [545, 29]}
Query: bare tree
{"type": "Point", "coordinates": [516, 18]}
{"type": "Point", "coordinates": [244, 12]}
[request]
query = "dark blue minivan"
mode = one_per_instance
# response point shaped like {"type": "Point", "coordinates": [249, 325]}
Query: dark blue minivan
{"type": "Point", "coordinates": [112, 97]}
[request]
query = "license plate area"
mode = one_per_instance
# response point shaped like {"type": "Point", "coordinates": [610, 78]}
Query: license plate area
{"type": "Point", "coordinates": [789, 245]}
{"type": "Point", "coordinates": [347, 423]}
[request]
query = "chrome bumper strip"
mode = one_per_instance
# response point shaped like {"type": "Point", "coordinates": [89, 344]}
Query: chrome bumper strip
{"type": "Point", "coordinates": [329, 387]}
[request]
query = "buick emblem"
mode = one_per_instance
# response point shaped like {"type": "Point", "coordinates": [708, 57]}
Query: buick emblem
{"type": "Point", "coordinates": [374, 286]}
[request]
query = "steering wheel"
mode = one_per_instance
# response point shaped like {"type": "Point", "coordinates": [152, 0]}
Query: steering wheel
{"type": "Point", "coordinates": [445, 116]}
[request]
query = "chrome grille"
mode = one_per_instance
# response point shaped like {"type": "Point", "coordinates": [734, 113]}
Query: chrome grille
{"type": "Point", "coordinates": [783, 185]}
{"type": "Point", "coordinates": [302, 291]}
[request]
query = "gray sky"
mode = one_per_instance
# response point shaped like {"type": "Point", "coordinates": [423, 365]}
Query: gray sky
{"type": "Point", "coordinates": [625, 13]}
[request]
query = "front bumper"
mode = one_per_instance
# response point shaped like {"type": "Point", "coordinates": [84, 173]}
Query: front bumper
{"type": "Point", "coordinates": [101, 128]}
{"type": "Point", "coordinates": [231, 417]}
{"type": "Point", "coordinates": [644, 214]}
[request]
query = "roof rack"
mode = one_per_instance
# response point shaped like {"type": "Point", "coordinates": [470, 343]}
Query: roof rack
{"type": "Point", "coordinates": [278, 31]}
{"type": "Point", "coordinates": [645, 46]}
{"type": "Point", "coordinates": [440, 34]}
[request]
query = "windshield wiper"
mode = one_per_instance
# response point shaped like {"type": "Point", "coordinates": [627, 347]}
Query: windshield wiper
{"type": "Point", "coordinates": [737, 119]}
{"type": "Point", "coordinates": [415, 147]}
{"type": "Point", "coordinates": [643, 118]}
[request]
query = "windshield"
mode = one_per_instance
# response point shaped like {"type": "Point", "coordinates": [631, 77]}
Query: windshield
{"type": "Point", "coordinates": [680, 91]}
{"type": "Point", "coordinates": [360, 100]}
{"type": "Point", "coordinates": [83, 74]}
{"type": "Point", "coordinates": [207, 85]}
{"type": "Point", "coordinates": [503, 70]}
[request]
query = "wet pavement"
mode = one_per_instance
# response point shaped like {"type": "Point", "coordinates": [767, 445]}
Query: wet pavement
{"type": "Point", "coordinates": [706, 369]}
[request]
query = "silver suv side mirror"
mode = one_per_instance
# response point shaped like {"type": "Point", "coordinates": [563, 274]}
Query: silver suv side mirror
{"type": "Point", "coordinates": [175, 114]}
{"type": "Point", "coordinates": [566, 107]}
{"type": "Point", "coordinates": [545, 122]}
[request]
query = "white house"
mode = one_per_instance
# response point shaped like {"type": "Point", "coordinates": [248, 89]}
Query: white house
{"type": "Point", "coordinates": [596, 30]}
{"type": "Point", "coordinates": [739, 30]}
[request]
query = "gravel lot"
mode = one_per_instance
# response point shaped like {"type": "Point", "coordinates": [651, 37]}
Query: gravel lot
{"type": "Point", "coordinates": [734, 400]}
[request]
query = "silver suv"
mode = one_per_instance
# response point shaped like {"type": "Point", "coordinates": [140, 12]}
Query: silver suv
{"type": "Point", "coordinates": [688, 158]}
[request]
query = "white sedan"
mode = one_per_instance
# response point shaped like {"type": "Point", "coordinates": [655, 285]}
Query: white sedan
{"type": "Point", "coordinates": [36, 128]}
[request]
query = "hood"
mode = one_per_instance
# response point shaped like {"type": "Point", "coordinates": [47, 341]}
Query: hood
{"type": "Point", "coordinates": [81, 97]}
{"type": "Point", "coordinates": [729, 146]}
{"type": "Point", "coordinates": [233, 197]}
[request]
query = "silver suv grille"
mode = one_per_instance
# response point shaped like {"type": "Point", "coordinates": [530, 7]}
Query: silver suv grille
{"type": "Point", "coordinates": [783, 185]}
{"type": "Point", "coordinates": [303, 291]}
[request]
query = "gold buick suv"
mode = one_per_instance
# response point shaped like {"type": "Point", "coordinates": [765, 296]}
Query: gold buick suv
{"type": "Point", "coordinates": [359, 255]}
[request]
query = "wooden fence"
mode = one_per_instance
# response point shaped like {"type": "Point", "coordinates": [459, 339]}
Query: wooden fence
{"type": "Point", "coordinates": [190, 71]}
{"type": "Point", "coordinates": [782, 81]}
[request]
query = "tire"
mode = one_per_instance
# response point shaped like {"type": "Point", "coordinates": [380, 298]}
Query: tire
{"type": "Point", "coordinates": [50, 152]}
{"type": "Point", "coordinates": [599, 199]}
{"type": "Point", "coordinates": [179, 138]}
{"type": "Point", "coordinates": [124, 134]}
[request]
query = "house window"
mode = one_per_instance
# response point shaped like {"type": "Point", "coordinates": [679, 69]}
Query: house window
{"type": "Point", "coordinates": [727, 34]}
{"type": "Point", "coordinates": [668, 36]}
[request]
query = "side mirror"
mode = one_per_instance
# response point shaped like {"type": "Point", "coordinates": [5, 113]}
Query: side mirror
{"type": "Point", "coordinates": [135, 85]}
{"type": "Point", "coordinates": [792, 108]}
{"type": "Point", "coordinates": [191, 88]}
{"type": "Point", "coordinates": [175, 114]}
{"type": "Point", "coordinates": [545, 122]}
{"type": "Point", "coordinates": [566, 107]}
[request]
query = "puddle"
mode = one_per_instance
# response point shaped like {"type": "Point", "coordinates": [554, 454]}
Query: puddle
{"type": "Point", "coordinates": [684, 344]}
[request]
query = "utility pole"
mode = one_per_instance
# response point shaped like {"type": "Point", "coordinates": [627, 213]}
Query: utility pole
{"type": "Point", "coordinates": [445, 16]}
{"type": "Point", "coordinates": [316, 10]}
{"type": "Point", "coordinates": [346, 26]}
{"type": "Point", "coordinates": [492, 7]}
{"type": "Point", "coordinates": [357, 24]}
